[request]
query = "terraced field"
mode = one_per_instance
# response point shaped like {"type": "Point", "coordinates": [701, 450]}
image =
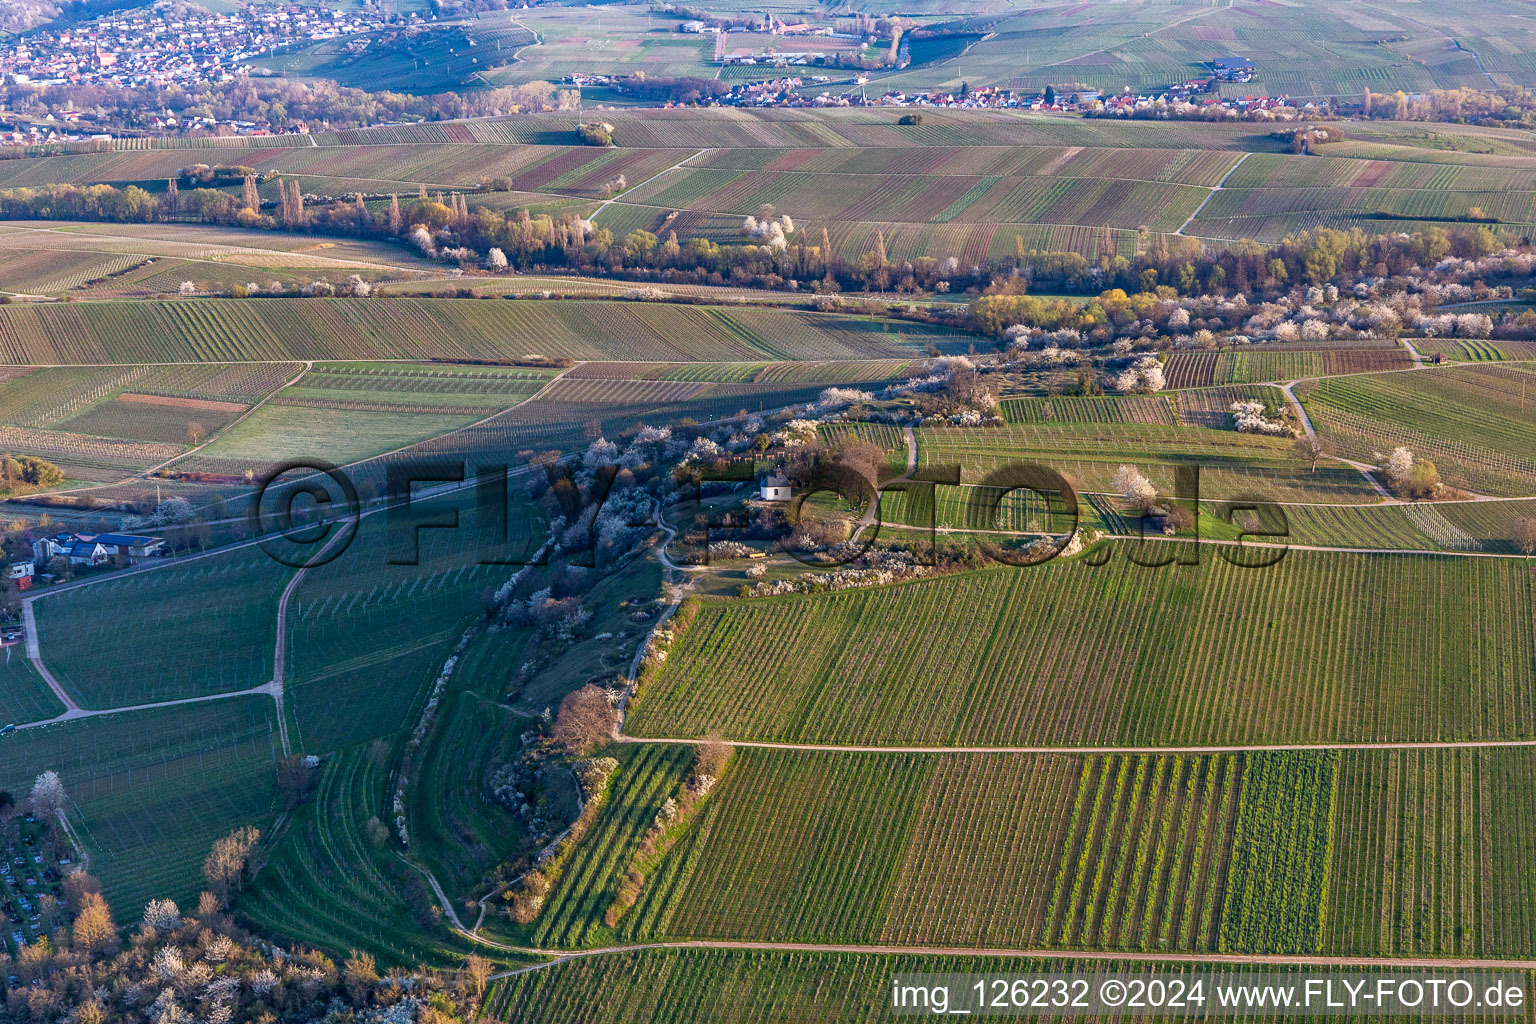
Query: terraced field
{"type": "Point", "coordinates": [324, 879]}
{"type": "Point", "coordinates": [455, 828]}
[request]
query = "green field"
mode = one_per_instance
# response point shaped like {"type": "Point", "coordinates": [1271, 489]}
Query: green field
{"type": "Point", "coordinates": [1475, 422]}
{"type": "Point", "coordinates": [367, 637]}
{"type": "Point", "coordinates": [288, 329]}
{"type": "Point", "coordinates": [1487, 526]}
{"type": "Point", "coordinates": [205, 626]}
{"type": "Point", "coordinates": [1240, 852]}
{"type": "Point", "coordinates": [281, 432]}
{"type": "Point", "coordinates": [152, 790]}
{"type": "Point", "coordinates": [1304, 651]}
{"type": "Point", "coordinates": [734, 986]}
{"type": "Point", "coordinates": [1088, 454]}
{"type": "Point", "coordinates": [414, 388]}
{"type": "Point", "coordinates": [26, 697]}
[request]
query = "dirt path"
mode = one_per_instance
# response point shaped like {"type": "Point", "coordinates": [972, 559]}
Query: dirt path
{"type": "Point", "coordinates": [35, 655]}
{"type": "Point", "coordinates": [1219, 186]}
{"type": "Point", "coordinates": [873, 511]}
{"type": "Point", "coordinates": [74, 838]}
{"type": "Point", "coordinates": [1235, 748]}
{"type": "Point", "coordinates": [609, 202]}
{"type": "Point", "coordinates": [280, 644]}
{"type": "Point", "coordinates": [309, 364]}
{"type": "Point", "coordinates": [1366, 471]}
{"type": "Point", "coordinates": [1279, 959]}
{"type": "Point", "coordinates": [75, 711]}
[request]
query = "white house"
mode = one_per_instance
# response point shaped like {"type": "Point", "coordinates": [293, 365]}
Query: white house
{"type": "Point", "coordinates": [45, 548]}
{"type": "Point", "coordinates": [95, 548]}
{"type": "Point", "coordinates": [774, 487]}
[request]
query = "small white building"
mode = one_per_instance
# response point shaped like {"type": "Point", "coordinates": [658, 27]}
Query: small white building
{"type": "Point", "coordinates": [774, 487]}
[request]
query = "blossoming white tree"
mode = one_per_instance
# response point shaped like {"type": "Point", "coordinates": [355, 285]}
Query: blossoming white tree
{"type": "Point", "coordinates": [1134, 487]}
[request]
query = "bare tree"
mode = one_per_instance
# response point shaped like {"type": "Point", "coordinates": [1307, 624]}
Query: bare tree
{"type": "Point", "coordinates": [225, 865]}
{"type": "Point", "coordinates": [360, 974]}
{"type": "Point", "coordinates": [295, 779]}
{"type": "Point", "coordinates": [587, 719]}
{"type": "Point", "coordinates": [1525, 535]}
{"type": "Point", "coordinates": [1310, 449]}
{"type": "Point", "coordinates": [477, 972]}
{"type": "Point", "coordinates": [94, 930]}
{"type": "Point", "coordinates": [195, 431]}
{"type": "Point", "coordinates": [711, 756]}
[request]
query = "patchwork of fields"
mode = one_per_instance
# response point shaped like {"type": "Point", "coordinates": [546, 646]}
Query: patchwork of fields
{"type": "Point", "coordinates": [964, 184]}
{"type": "Point", "coordinates": [1149, 749]}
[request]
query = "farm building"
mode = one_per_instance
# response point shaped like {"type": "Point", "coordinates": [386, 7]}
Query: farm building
{"type": "Point", "coordinates": [131, 544]}
{"type": "Point", "coordinates": [1233, 69]}
{"type": "Point", "coordinates": [774, 487]}
{"type": "Point", "coordinates": [95, 548]}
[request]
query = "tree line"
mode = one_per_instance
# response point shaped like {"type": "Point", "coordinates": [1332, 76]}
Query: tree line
{"type": "Point", "coordinates": [771, 251]}
{"type": "Point", "coordinates": [279, 102]}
